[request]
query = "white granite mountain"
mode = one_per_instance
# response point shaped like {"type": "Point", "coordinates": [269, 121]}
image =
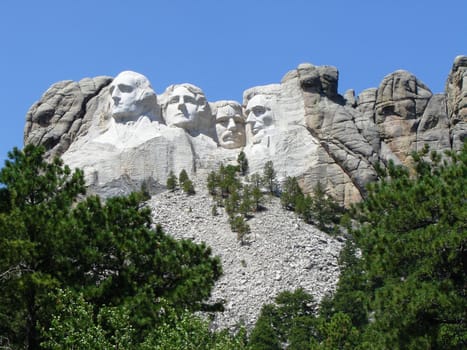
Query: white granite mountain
{"type": "Point", "coordinates": [122, 133]}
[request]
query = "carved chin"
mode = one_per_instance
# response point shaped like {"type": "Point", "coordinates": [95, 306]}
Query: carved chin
{"type": "Point", "coordinates": [230, 141]}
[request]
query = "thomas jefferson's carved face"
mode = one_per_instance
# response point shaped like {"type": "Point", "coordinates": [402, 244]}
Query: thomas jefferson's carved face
{"type": "Point", "coordinates": [230, 127]}
{"type": "Point", "coordinates": [182, 108]}
{"type": "Point", "coordinates": [131, 95]}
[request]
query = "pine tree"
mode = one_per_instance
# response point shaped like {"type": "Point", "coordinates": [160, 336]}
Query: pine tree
{"type": "Point", "coordinates": [188, 187]}
{"type": "Point", "coordinates": [242, 163]}
{"type": "Point", "coordinates": [246, 203]}
{"type": "Point", "coordinates": [182, 177]}
{"type": "Point", "coordinates": [213, 183]}
{"type": "Point", "coordinates": [269, 177]}
{"type": "Point", "coordinates": [291, 193]}
{"type": "Point", "coordinates": [406, 287]}
{"type": "Point", "coordinates": [52, 237]}
{"type": "Point", "coordinates": [325, 211]}
{"type": "Point", "coordinates": [256, 197]}
{"type": "Point", "coordinates": [172, 182]}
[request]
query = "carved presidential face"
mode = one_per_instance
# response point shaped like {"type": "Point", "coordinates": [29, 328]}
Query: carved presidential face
{"type": "Point", "coordinates": [259, 115]}
{"type": "Point", "coordinates": [185, 109]}
{"type": "Point", "coordinates": [132, 96]}
{"type": "Point", "coordinates": [230, 126]}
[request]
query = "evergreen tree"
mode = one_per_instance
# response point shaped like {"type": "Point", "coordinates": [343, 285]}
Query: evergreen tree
{"type": "Point", "coordinates": [239, 225]}
{"type": "Point", "coordinates": [406, 287]}
{"type": "Point", "coordinates": [213, 183]}
{"type": "Point", "coordinates": [242, 163]}
{"type": "Point", "coordinates": [291, 193]}
{"type": "Point", "coordinates": [228, 181]}
{"type": "Point", "coordinates": [246, 203]}
{"type": "Point", "coordinates": [325, 211]}
{"type": "Point", "coordinates": [182, 177]}
{"type": "Point", "coordinates": [289, 320]}
{"type": "Point", "coordinates": [269, 177]}
{"type": "Point", "coordinates": [256, 198]}
{"type": "Point", "coordinates": [172, 182]}
{"type": "Point", "coordinates": [108, 252]}
{"type": "Point", "coordinates": [188, 187]}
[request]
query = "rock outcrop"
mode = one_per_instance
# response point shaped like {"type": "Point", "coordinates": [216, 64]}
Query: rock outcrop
{"type": "Point", "coordinates": [302, 124]}
{"type": "Point", "coordinates": [64, 112]}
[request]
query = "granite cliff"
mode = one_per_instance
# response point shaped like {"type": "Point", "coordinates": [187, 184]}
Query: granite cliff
{"type": "Point", "coordinates": [302, 124]}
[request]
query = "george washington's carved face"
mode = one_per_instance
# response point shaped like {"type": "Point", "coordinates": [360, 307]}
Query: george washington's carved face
{"type": "Point", "coordinates": [132, 96]}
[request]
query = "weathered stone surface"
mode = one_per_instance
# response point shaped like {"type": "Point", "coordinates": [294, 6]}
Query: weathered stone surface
{"type": "Point", "coordinates": [400, 102]}
{"type": "Point", "coordinates": [64, 111]}
{"type": "Point", "coordinates": [456, 93]}
{"type": "Point", "coordinates": [124, 134]}
{"type": "Point", "coordinates": [283, 252]}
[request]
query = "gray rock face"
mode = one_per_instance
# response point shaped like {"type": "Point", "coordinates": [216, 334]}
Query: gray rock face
{"type": "Point", "coordinates": [401, 100]}
{"type": "Point", "coordinates": [302, 124]}
{"type": "Point", "coordinates": [64, 112]}
{"type": "Point", "coordinates": [456, 100]}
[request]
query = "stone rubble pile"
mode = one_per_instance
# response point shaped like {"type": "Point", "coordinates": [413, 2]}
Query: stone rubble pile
{"type": "Point", "coordinates": [283, 252]}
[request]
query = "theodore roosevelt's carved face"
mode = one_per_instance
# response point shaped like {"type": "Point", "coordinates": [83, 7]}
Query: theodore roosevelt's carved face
{"type": "Point", "coordinates": [230, 125]}
{"type": "Point", "coordinates": [132, 96]}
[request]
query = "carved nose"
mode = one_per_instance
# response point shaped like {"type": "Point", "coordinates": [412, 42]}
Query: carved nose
{"type": "Point", "coordinates": [231, 124]}
{"type": "Point", "coordinates": [181, 105]}
{"type": "Point", "coordinates": [251, 118]}
{"type": "Point", "coordinates": [116, 95]}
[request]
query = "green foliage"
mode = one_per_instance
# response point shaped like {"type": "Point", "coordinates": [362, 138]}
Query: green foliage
{"type": "Point", "coordinates": [324, 210]}
{"type": "Point", "coordinates": [320, 209]}
{"type": "Point", "coordinates": [73, 325]}
{"type": "Point", "coordinates": [238, 200]}
{"type": "Point", "coordinates": [256, 198]}
{"type": "Point", "coordinates": [185, 183]}
{"type": "Point", "coordinates": [213, 183]}
{"type": "Point", "coordinates": [188, 187]}
{"type": "Point", "coordinates": [239, 225]}
{"type": "Point", "coordinates": [109, 252]}
{"type": "Point", "coordinates": [242, 163]}
{"type": "Point", "coordinates": [407, 289]}
{"type": "Point", "coordinates": [182, 177]}
{"type": "Point", "coordinates": [184, 331]}
{"type": "Point", "coordinates": [269, 177]}
{"type": "Point", "coordinates": [291, 194]}
{"type": "Point", "coordinates": [172, 182]}
{"type": "Point", "coordinates": [289, 320]}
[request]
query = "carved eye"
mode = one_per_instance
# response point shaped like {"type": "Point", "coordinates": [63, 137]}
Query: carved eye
{"type": "Point", "coordinates": [125, 88]}
{"type": "Point", "coordinates": [174, 99]}
{"type": "Point", "coordinates": [112, 88]}
{"type": "Point", "coordinates": [258, 110]}
{"type": "Point", "coordinates": [190, 99]}
{"type": "Point", "coordinates": [223, 121]}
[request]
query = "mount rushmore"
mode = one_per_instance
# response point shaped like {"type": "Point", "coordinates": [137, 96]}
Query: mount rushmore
{"type": "Point", "coordinates": [122, 133]}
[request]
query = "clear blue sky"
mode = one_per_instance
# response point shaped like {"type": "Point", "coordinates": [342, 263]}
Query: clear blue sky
{"type": "Point", "coordinates": [224, 47]}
